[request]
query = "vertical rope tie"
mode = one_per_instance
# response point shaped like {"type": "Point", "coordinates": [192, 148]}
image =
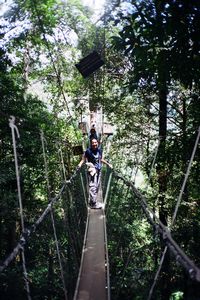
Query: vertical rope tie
{"type": "Point", "coordinates": [62, 163]}
{"type": "Point", "coordinates": [107, 189]}
{"type": "Point", "coordinates": [84, 191]}
{"type": "Point", "coordinates": [52, 216]}
{"type": "Point", "coordinates": [14, 130]}
{"type": "Point", "coordinates": [175, 212]}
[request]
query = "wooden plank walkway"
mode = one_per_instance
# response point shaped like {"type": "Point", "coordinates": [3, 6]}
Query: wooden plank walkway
{"type": "Point", "coordinates": [91, 284]}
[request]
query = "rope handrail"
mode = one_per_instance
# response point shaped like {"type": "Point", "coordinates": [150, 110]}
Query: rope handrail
{"type": "Point", "coordinates": [181, 257]}
{"type": "Point", "coordinates": [28, 231]}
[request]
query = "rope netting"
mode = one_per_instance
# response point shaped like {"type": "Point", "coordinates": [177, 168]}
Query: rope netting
{"type": "Point", "coordinates": [134, 237]}
{"type": "Point", "coordinates": [138, 241]}
{"type": "Point", "coordinates": [48, 241]}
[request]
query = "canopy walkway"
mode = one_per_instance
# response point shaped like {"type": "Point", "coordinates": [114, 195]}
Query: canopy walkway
{"type": "Point", "coordinates": [93, 280]}
{"type": "Point", "coordinates": [87, 235]}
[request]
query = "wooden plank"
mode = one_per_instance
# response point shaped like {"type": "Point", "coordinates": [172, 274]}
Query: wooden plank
{"type": "Point", "coordinates": [92, 281]}
{"type": "Point", "coordinates": [92, 284]}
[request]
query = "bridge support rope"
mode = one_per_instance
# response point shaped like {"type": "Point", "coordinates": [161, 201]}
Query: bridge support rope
{"type": "Point", "coordinates": [52, 217]}
{"type": "Point", "coordinates": [13, 130]}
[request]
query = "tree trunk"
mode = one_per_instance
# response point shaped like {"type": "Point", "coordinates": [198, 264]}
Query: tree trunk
{"type": "Point", "coordinates": [162, 182]}
{"type": "Point", "coordinates": [161, 166]}
{"type": "Point", "coordinates": [50, 275]}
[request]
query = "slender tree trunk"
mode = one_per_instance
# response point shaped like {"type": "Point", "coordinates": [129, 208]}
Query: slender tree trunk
{"type": "Point", "coordinates": [50, 275]}
{"type": "Point", "coordinates": [185, 194]}
{"type": "Point", "coordinates": [161, 169]}
{"type": "Point", "coordinates": [26, 65]}
{"type": "Point", "coordinates": [162, 182]}
{"type": "Point", "coordinates": [185, 154]}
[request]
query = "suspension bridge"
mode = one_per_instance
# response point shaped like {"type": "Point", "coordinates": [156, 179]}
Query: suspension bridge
{"type": "Point", "coordinates": [87, 232]}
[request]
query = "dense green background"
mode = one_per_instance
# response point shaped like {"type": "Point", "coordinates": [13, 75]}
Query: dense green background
{"type": "Point", "coordinates": [149, 89]}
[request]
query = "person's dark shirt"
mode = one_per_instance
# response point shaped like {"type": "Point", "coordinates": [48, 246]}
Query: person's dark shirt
{"type": "Point", "coordinates": [94, 156]}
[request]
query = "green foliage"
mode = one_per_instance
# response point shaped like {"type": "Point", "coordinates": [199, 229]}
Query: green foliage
{"type": "Point", "coordinates": [128, 238]}
{"type": "Point", "coordinates": [154, 42]}
{"type": "Point", "coordinates": [32, 116]}
{"type": "Point", "coordinates": [157, 38]}
{"type": "Point", "coordinates": [177, 296]}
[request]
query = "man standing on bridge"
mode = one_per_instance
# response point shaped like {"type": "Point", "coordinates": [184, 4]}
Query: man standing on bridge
{"type": "Point", "coordinates": [94, 160]}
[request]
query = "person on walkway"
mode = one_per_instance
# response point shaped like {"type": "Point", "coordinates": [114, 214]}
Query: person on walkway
{"type": "Point", "coordinates": [93, 159]}
{"type": "Point", "coordinates": [93, 134]}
